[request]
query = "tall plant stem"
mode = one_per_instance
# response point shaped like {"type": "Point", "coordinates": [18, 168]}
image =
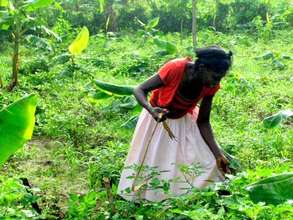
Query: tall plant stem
{"type": "Point", "coordinates": [194, 37]}
{"type": "Point", "coordinates": [15, 60]}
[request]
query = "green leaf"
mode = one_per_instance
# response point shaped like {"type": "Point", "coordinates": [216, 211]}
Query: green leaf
{"type": "Point", "coordinates": [6, 20]}
{"type": "Point", "coordinates": [102, 5]}
{"type": "Point", "coordinates": [80, 43]}
{"type": "Point", "coordinates": [278, 65]}
{"type": "Point", "coordinates": [130, 123]}
{"type": "Point", "coordinates": [169, 47]}
{"type": "Point", "coordinates": [272, 190]}
{"type": "Point", "coordinates": [101, 95]}
{"type": "Point", "coordinates": [4, 27]}
{"type": "Point", "coordinates": [267, 55]}
{"type": "Point", "coordinates": [11, 6]}
{"type": "Point", "coordinates": [274, 120]}
{"type": "Point", "coordinates": [51, 33]}
{"type": "Point", "coordinates": [4, 3]}
{"type": "Point", "coordinates": [154, 22]}
{"type": "Point", "coordinates": [16, 125]}
{"type": "Point", "coordinates": [115, 89]}
{"type": "Point", "coordinates": [32, 5]}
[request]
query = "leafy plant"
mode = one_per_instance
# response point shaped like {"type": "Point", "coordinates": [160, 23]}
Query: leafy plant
{"type": "Point", "coordinates": [107, 90]}
{"type": "Point", "coordinates": [17, 19]}
{"type": "Point", "coordinates": [15, 201]}
{"type": "Point", "coordinates": [166, 46]}
{"type": "Point", "coordinates": [81, 206]}
{"type": "Point", "coordinates": [276, 119]}
{"type": "Point", "coordinates": [80, 43]}
{"type": "Point", "coordinates": [114, 89]}
{"type": "Point", "coordinates": [149, 28]}
{"type": "Point", "coordinates": [17, 124]}
{"type": "Point", "coordinates": [272, 190]}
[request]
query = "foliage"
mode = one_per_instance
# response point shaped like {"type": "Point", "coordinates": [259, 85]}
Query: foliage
{"type": "Point", "coordinates": [80, 43]}
{"type": "Point", "coordinates": [79, 143]}
{"type": "Point", "coordinates": [114, 89]}
{"type": "Point", "coordinates": [17, 124]}
{"type": "Point", "coordinates": [17, 20]}
{"type": "Point", "coordinates": [15, 200]}
{"type": "Point", "coordinates": [274, 120]}
{"type": "Point", "coordinates": [272, 190]}
{"type": "Point", "coordinates": [166, 46]}
{"type": "Point", "coordinates": [81, 206]}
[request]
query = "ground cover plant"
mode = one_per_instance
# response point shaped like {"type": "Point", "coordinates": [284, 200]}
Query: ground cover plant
{"type": "Point", "coordinates": [71, 167]}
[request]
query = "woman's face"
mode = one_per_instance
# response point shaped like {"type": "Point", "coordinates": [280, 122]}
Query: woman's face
{"type": "Point", "coordinates": [206, 76]}
{"type": "Point", "coordinates": [210, 78]}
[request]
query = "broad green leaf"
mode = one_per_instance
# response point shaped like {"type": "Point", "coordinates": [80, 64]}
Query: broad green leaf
{"type": "Point", "coordinates": [62, 58]}
{"type": "Point", "coordinates": [51, 33]}
{"type": "Point", "coordinates": [130, 123]}
{"type": "Point", "coordinates": [16, 127]}
{"type": "Point", "coordinates": [154, 22]}
{"type": "Point", "coordinates": [227, 2]}
{"type": "Point", "coordinates": [278, 65]}
{"type": "Point", "coordinates": [4, 26]}
{"type": "Point", "coordinates": [286, 57]}
{"type": "Point", "coordinates": [80, 43]}
{"type": "Point", "coordinates": [169, 47]}
{"type": "Point", "coordinates": [101, 95]}
{"type": "Point", "coordinates": [268, 55]}
{"type": "Point", "coordinates": [102, 4]}
{"type": "Point", "coordinates": [11, 6]}
{"type": "Point", "coordinates": [32, 5]}
{"type": "Point", "coordinates": [114, 89]}
{"type": "Point", "coordinates": [272, 190]}
{"type": "Point", "coordinates": [4, 3]}
{"type": "Point", "coordinates": [274, 120]}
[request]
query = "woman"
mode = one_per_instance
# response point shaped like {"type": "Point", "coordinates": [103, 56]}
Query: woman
{"type": "Point", "coordinates": [176, 90]}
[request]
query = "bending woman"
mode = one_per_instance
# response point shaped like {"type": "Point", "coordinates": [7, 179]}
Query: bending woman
{"type": "Point", "coordinates": [176, 90]}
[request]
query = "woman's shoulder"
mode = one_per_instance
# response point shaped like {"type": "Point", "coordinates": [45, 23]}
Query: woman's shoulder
{"type": "Point", "coordinates": [182, 60]}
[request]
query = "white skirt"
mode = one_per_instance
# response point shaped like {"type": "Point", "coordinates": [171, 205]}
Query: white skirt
{"type": "Point", "coordinates": [166, 155]}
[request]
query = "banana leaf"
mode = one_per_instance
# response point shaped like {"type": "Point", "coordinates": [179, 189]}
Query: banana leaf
{"type": "Point", "coordinates": [114, 89]}
{"type": "Point", "coordinates": [272, 190]}
{"type": "Point", "coordinates": [16, 125]}
{"type": "Point", "coordinates": [274, 120]}
{"type": "Point", "coordinates": [33, 5]}
{"type": "Point", "coordinates": [167, 46]}
{"type": "Point", "coordinates": [80, 43]}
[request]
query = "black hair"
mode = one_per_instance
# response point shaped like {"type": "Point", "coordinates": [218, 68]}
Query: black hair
{"type": "Point", "coordinates": [214, 58]}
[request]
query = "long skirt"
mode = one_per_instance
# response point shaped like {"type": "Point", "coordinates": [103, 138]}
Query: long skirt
{"type": "Point", "coordinates": [170, 167]}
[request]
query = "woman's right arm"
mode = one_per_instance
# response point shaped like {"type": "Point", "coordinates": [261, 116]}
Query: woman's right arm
{"type": "Point", "coordinates": [141, 91]}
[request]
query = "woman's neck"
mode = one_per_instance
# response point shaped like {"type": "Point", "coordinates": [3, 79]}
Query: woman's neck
{"type": "Point", "coordinates": [192, 77]}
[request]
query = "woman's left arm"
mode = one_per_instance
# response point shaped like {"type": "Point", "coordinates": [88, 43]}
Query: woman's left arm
{"type": "Point", "coordinates": [206, 131]}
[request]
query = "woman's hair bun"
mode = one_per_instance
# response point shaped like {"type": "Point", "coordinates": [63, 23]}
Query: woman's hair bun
{"type": "Point", "coordinates": [214, 58]}
{"type": "Point", "coordinates": [213, 52]}
{"type": "Point", "coordinates": [230, 54]}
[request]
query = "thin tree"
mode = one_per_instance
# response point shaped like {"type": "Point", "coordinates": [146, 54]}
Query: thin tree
{"type": "Point", "coordinates": [194, 36]}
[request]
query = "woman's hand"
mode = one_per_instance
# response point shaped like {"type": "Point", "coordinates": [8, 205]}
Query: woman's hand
{"type": "Point", "coordinates": [222, 164]}
{"type": "Point", "coordinates": [159, 114]}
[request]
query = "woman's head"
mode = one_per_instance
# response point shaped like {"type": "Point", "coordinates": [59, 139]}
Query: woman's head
{"type": "Point", "coordinates": [212, 64]}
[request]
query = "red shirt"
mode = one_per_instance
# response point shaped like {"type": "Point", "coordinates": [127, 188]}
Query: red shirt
{"type": "Point", "coordinates": [168, 97]}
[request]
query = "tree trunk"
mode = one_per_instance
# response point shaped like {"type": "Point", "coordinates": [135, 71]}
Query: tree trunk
{"type": "Point", "coordinates": [1, 82]}
{"type": "Point", "coordinates": [111, 23]}
{"type": "Point", "coordinates": [194, 37]}
{"type": "Point", "coordinates": [15, 62]}
{"type": "Point", "coordinates": [77, 5]}
{"type": "Point", "coordinates": [216, 11]}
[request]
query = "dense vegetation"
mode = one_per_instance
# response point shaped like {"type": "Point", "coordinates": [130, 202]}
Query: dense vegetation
{"type": "Point", "coordinates": [71, 167]}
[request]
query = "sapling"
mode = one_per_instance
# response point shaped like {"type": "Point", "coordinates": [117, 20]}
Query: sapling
{"type": "Point", "coordinates": [17, 19]}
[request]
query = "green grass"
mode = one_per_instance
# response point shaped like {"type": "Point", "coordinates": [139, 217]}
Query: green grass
{"type": "Point", "coordinates": [79, 140]}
